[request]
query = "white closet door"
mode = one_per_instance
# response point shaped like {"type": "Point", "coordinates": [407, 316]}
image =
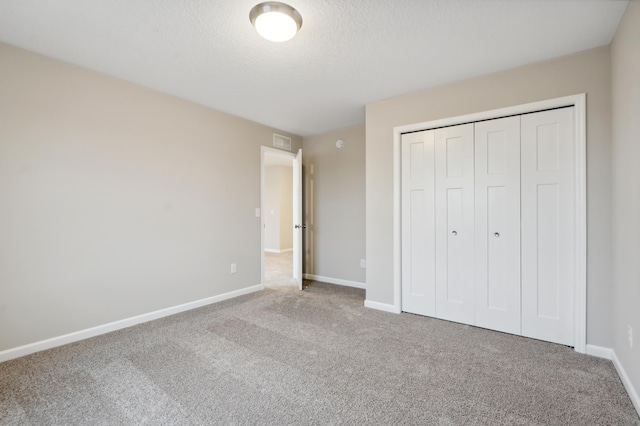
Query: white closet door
{"type": "Point", "coordinates": [548, 228]}
{"type": "Point", "coordinates": [418, 224]}
{"type": "Point", "coordinates": [454, 223]}
{"type": "Point", "coordinates": [497, 224]}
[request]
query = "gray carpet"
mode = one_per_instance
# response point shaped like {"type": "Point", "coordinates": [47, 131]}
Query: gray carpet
{"type": "Point", "coordinates": [314, 357]}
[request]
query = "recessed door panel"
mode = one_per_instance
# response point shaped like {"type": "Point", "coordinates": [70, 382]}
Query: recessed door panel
{"type": "Point", "coordinates": [547, 147]}
{"type": "Point", "coordinates": [454, 223]}
{"type": "Point", "coordinates": [418, 221]}
{"type": "Point", "coordinates": [548, 225]}
{"type": "Point", "coordinates": [496, 150]}
{"type": "Point", "coordinates": [416, 160]}
{"type": "Point", "coordinates": [497, 280]}
{"type": "Point", "coordinates": [547, 283]}
{"type": "Point", "coordinates": [497, 224]}
{"type": "Point", "coordinates": [418, 241]}
{"type": "Point", "coordinates": [454, 152]}
{"type": "Point", "coordinates": [455, 285]}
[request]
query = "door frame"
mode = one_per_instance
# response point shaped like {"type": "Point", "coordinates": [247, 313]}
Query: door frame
{"type": "Point", "coordinates": [580, 202]}
{"type": "Point", "coordinates": [274, 151]}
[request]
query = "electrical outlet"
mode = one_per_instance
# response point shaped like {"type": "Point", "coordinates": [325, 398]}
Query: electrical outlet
{"type": "Point", "coordinates": [233, 268]}
{"type": "Point", "coordinates": [363, 263]}
{"type": "Point", "coordinates": [630, 335]}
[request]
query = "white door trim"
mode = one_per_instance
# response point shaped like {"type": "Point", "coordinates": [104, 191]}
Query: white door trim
{"type": "Point", "coordinates": [580, 202]}
{"type": "Point", "coordinates": [264, 150]}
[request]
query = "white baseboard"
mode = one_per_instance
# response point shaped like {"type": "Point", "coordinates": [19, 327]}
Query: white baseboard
{"type": "Point", "coordinates": [633, 393]}
{"type": "Point", "coordinates": [335, 281]}
{"type": "Point", "coordinates": [600, 352]}
{"type": "Point", "coordinates": [53, 342]}
{"type": "Point", "coordinates": [610, 354]}
{"type": "Point", "coordinates": [289, 250]}
{"type": "Point", "coordinates": [381, 306]}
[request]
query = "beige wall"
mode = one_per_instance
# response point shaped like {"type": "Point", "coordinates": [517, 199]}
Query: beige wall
{"type": "Point", "coordinates": [271, 208]}
{"type": "Point", "coordinates": [334, 205]}
{"type": "Point", "coordinates": [116, 200]}
{"type": "Point", "coordinates": [587, 72]}
{"type": "Point", "coordinates": [278, 233]}
{"type": "Point", "coordinates": [625, 62]}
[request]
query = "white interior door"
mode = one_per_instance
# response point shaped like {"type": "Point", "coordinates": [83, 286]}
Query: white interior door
{"type": "Point", "coordinates": [454, 224]}
{"type": "Point", "coordinates": [497, 224]}
{"type": "Point", "coordinates": [418, 223]}
{"type": "Point", "coordinates": [489, 224]}
{"type": "Point", "coordinates": [297, 219]}
{"type": "Point", "coordinates": [548, 225]}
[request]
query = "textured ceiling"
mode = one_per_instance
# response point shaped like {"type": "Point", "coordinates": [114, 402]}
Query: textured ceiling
{"type": "Point", "coordinates": [347, 54]}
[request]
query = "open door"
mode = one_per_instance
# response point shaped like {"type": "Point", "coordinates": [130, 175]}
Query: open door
{"type": "Point", "coordinates": [297, 219]}
{"type": "Point", "coordinates": [270, 157]}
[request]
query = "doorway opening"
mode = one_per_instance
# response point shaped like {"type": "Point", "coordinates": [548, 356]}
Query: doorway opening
{"type": "Point", "coordinates": [280, 205]}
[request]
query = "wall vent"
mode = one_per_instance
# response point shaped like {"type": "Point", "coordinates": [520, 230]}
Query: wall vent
{"type": "Point", "coordinates": [281, 142]}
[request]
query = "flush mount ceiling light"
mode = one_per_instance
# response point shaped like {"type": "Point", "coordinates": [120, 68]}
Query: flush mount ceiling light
{"type": "Point", "coordinates": [275, 21]}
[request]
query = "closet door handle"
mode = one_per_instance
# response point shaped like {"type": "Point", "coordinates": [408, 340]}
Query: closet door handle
{"type": "Point", "coordinates": [454, 233]}
{"type": "Point", "coordinates": [497, 234]}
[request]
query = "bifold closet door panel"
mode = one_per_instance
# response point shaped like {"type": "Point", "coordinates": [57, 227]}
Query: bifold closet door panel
{"type": "Point", "coordinates": [497, 224]}
{"type": "Point", "coordinates": [454, 223]}
{"type": "Point", "coordinates": [418, 223]}
{"type": "Point", "coordinates": [548, 225]}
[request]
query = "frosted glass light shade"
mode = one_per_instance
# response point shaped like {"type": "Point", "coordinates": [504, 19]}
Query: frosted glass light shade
{"type": "Point", "coordinates": [275, 21]}
{"type": "Point", "coordinates": [276, 26]}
